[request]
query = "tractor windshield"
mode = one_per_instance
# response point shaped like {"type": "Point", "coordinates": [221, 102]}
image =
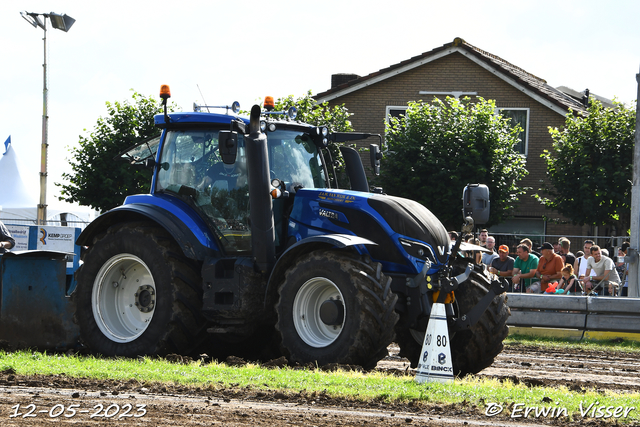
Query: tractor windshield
{"type": "Point", "coordinates": [295, 159]}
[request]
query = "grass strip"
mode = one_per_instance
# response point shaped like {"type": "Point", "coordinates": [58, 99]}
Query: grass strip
{"type": "Point", "coordinates": [591, 345]}
{"type": "Point", "coordinates": [485, 394]}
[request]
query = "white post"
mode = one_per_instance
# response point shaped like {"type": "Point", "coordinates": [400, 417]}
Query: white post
{"type": "Point", "coordinates": [635, 207]}
{"type": "Point", "coordinates": [42, 206]}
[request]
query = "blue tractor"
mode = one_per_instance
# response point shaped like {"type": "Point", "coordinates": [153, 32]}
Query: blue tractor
{"type": "Point", "coordinates": [243, 244]}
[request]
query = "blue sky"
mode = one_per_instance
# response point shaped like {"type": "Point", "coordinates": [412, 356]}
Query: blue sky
{"type": "Point", "coordinates": [244, 50]}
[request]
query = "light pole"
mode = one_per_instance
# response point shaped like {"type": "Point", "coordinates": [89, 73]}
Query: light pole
{"type": "Point", "coordinates": [60, 22]}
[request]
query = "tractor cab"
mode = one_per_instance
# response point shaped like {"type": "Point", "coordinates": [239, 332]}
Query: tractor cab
{"type": "Point", "coordinates": [201, 160]}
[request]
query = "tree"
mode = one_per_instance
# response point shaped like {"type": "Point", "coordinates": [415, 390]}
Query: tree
{"type": "Point", "coordinates": [335, 118]}
{"type": "Point", "coordinates": [309, 111]}
{"type": "Point", "coordinates": [99, 181]}
{"type": "Point", "coordinates": [438, 148]}
{"type": "Point", "coordinates": [590, 167]}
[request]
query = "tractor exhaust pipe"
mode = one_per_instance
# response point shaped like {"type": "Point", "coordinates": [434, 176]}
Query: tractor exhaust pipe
{"type": "Point", "coordinates": [261, 208]}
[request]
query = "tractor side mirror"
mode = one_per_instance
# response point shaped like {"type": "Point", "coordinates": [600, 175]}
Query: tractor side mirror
{"type": "Point", "coordinates": [149, 162]}
{"type": "Point", "coordinates": [376, 156]}
{"type": "Point", "coordinates": [476, 203]}
{"type": "Point", "coordinates": [228, 146]}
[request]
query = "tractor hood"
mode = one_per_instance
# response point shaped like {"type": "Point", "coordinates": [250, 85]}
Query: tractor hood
{"type": "Point", "coordinates": [399, 226]}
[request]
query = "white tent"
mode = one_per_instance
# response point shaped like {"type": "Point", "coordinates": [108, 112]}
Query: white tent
{"type": "Point", "coordinates": [19, 201]}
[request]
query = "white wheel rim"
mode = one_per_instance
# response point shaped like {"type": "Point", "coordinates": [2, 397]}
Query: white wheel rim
{"type": "Point", "coordinates": [123, 298]}
{"type": "Point", "coordinates": [306, 312]}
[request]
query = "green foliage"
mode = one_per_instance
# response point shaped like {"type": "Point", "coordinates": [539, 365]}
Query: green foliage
{"type": "Point", "coordinates": [438, 148]}
{"type": "Point", "coordinates": [590, 167]}
{"type": "Point", "coordinates": [309, 111]}
{"type": "Point", "coordinates": [99, 181]}
{"type": "Point", "coordinates": [335, 118]}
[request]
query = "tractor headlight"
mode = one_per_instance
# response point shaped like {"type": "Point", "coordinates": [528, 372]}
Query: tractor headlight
{"type": "Point", "coordinates": [418, 250]}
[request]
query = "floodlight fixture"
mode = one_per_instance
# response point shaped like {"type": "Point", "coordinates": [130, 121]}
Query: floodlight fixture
{"type": "Point", "coordinates": [61, 22]}
{"type": "Point", "coordinates": [32, 18]}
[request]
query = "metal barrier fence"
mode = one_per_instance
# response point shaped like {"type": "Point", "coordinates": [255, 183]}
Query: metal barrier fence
{"type": "Point", "coordinates": [512, 240]}
{"type": "Point", "coordinates": [585, 313]}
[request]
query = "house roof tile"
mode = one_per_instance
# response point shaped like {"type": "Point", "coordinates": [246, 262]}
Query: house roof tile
{"type": "Point", "coordinates": [517, 74]}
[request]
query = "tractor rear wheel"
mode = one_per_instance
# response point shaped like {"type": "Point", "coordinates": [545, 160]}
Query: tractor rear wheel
{"type": "Point", "coordinates": [471, 350]}
{"type": "Point", "coordinates": [138, 295]}
{"type": "Point", "coordinates": [334, 307]}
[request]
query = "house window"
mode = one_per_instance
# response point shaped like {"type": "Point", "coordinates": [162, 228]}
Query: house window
{"type": "Point", "coordinates": [519, 116]}
{"type": "Point", "coordinates": [395, 111]}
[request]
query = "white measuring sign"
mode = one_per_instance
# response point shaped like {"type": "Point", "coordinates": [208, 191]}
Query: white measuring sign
{"type": "Point", "coordinates": [435, 363]}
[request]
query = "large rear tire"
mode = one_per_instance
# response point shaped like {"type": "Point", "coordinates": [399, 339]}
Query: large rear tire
{"type": "Point", "coordinates": [138, 295]}
{"type": "Point", "coordinates": [471, 350]}
{"type": "Point", "coordinates": [336, 308]}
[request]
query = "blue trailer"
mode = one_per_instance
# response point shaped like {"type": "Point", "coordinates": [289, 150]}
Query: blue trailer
{"type": "Point", "coordinates": [36, 284]}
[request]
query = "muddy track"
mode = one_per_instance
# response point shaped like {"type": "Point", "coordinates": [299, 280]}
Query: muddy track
{"type": "Point", "coordinates": [539, 366]}
{"type": "Point", "coordinates": [43, 400]}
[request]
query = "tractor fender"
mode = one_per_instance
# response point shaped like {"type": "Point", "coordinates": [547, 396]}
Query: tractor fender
{"type": "Point", "coordinates": [305, 246]}
{"type": "Point", "coordinates": [191, 246]}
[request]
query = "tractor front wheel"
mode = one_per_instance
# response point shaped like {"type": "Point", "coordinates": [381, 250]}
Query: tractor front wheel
{"type": "Point", "coordinates": [336, 308]}
{"type": "Point", "coordinates": [471, 350]}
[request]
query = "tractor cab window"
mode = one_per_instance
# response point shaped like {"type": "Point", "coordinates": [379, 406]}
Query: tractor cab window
{"type": "Point", "coordinates": [294, 159]}
{"type": "Point", "coordinates": [142, 151]}
{"type": "Point", "coordinates": [191, 168]}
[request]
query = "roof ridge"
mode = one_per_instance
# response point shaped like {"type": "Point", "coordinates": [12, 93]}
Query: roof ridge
{"type": "Point", "coordinates": [458, 41]}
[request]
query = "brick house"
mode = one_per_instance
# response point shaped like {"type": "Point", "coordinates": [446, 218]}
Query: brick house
{"type": "Point", "coordinates": [461, 69]}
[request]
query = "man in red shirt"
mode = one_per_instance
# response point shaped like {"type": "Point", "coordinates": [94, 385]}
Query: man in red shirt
{"type": "Point", "coordinates": [549, 266]}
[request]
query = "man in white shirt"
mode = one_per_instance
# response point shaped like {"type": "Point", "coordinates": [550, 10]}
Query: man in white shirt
{"type": "Point", "coordinates": [604, 268]}
{"type": "Point", "coordinates": [580, 265]}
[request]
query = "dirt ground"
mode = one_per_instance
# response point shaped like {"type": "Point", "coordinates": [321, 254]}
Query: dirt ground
{"type": "Point", "coordinates": [47, 400]}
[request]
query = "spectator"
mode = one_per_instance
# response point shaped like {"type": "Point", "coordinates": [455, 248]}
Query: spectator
{"type": "Point", "coordinates": [604, 268]}
{"type": "Point", "coordinates": [549, 266]}
{"type": "Point", "coordinates": [487, 257]}
{"type": "Point", "coordinates": [556, 247]}
{"type": "Point", "coordinates": [565, 251]}
{"type": "Point", "coordinates": [491, 243]}
{"type": "Point", "coordinates": [503, 265]}
{"type": "Point", "coordinates": [484, 233]}
{"type": "Point", "coordinates": [524, 268]}
{"type": "Point", "coordinates": [580, 266]}
{"type": "Point", "coordinates": [6, 241]}
{"type": "Point", "coordinates": [476, 255]}
{"type": "Point", "coordinates": [453, 235]}
{"type": "Point", "coordinates": [623, 269]}
{"type": "Point", "coordinates": [467, 237]}
{"type": "Point", "coordinates": [529, 244]}
{"type": "Point", "coordinates": [569, 282]}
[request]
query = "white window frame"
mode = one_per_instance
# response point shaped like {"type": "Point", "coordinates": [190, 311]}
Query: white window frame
{"type": "Point", "coordinates": [394, 107]}
{"type": "Point", "coordinates": [526, 131]}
